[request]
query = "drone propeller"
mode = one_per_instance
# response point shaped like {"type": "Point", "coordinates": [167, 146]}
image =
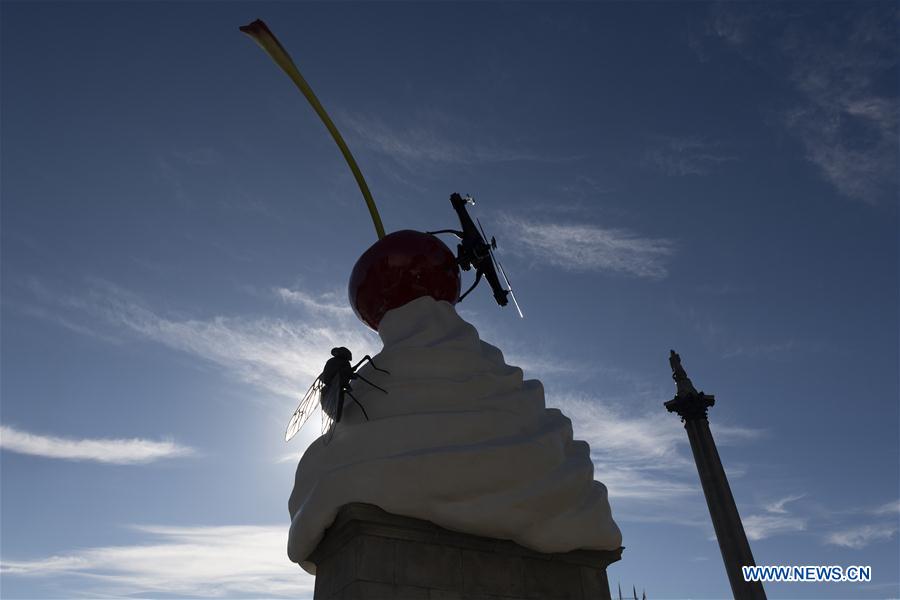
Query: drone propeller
{"type": "Point", "coordinates": [500, 268]}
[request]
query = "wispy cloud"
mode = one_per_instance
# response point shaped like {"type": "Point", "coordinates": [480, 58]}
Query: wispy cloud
{"type": "Point", "coordinates": [635, 484]}
{"type": "Point", "coordinates": [847, 118]}
{"type": "Point", "coordinates": [732, 344]}
{"type": "Point", "coordinates": [888, 509]}
{"type": "Point", "coordinates": [685, 156]}
{"type": "Point", "coordinates": [63, 321]}
{"type": "Point", "coordinates": [112, 451]}
{"type": "Point", "coordinates": [580, 247]}
{"type": "Point", "coordinates": [778, 506]}
{"type": "Point", "coordinates": [733, 26]}
{"type": "Point", "coordinates": [648, 439]}
{"type": "Point", "coordinates": [181, 169]}
{"type": "Point", "coordinates": [324, 304]}
{"type": "Point", "coordinates": [541, 365]}
{"type": "Point", "coordinates": [638, 455]}
{"type": "Point", "coordinates": [290, 457]}
{"type": "Point", "coordinates": [583, 187]}
{"type": "Point", "coordinates": [434, 137]}
{"type": "Point", "coordinates": [279, 355]}
{"type": "Point", "coordinates": [778, 349]}
{"type": "Point", "coordinates": [192, 562]}
{"type": "Point", "coordinates": [778, 518]}
{"type": "Point", "coordinates": [775, 520]}
{"type": "Point", "coordinates": [762, 526]}
{"type": "Point", "coordinates": [862, 536]}
{"type": "Point", "coordinates": [849, 123]}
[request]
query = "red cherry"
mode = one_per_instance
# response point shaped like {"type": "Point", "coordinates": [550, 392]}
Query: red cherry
{"type": "Point", "coordinates": [398, 268]}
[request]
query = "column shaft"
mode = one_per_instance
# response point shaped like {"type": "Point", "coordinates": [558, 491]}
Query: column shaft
{"type": "Point", "coordinates": [723, 511]}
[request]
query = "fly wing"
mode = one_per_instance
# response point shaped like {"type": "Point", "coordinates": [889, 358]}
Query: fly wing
{"type": "Point", "coordinates": [331, 398]}
{"type": "Point", "coordinates": [307, 406]}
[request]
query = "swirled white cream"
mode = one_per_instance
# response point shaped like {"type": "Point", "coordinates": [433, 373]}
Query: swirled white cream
{"type": "Point", "coordinates": [459, 440]}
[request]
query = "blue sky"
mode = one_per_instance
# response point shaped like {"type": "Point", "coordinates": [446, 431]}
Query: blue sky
{"type": "Point", "coordinates": [178, 230]}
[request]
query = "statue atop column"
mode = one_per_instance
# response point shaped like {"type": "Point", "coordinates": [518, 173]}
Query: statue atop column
{"type": "Point", "coordinates": [688, 402]}
{"type": "Point", "coordinates": [685, 388]}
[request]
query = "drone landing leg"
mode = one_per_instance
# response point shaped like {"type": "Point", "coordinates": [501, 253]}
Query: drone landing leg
{"type": "Point", "coordinates": [365, 414]}
{"type": "Point", "coordinates": [477, 279]}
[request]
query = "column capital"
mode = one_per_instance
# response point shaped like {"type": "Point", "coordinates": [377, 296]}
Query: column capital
{"type": "Point", "coordinates": [688, 402]}
{"type": "Point", "coordinates": [692, 407]}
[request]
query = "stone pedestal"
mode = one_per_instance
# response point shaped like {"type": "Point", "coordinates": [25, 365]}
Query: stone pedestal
{"type": "Point", "coordinates": [369, 553]}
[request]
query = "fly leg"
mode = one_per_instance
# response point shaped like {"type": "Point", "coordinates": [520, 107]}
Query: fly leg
{"type": "Point", "coordinates": [340, 406]}
{"type": "Point", "coordinates": [369, 358]}
{"type": "Point", "coordinates": [365, 414]}
{"type": "Point", "coordinates": [329, 434]}
{"type": "Point", "coordinates": [357, 376]}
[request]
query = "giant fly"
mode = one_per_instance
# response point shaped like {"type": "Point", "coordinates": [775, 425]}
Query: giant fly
{"type": "Point", "coordinates": [474, 251]}
{"type": "Point", "coordinates": [329, 391]}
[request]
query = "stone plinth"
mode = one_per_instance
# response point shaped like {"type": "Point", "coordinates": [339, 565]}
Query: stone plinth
{"type": "Point", "coordinates": [369, 553]}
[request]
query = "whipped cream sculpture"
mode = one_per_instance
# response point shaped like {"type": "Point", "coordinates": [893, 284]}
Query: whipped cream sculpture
{"type": "Point", "coordinates": [461, 441]}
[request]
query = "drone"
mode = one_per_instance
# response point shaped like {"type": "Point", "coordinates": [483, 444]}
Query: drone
{"type": "Point", "coordinates": [474, 251]}
{"type": "Point", "coordinates": [329, 391]}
